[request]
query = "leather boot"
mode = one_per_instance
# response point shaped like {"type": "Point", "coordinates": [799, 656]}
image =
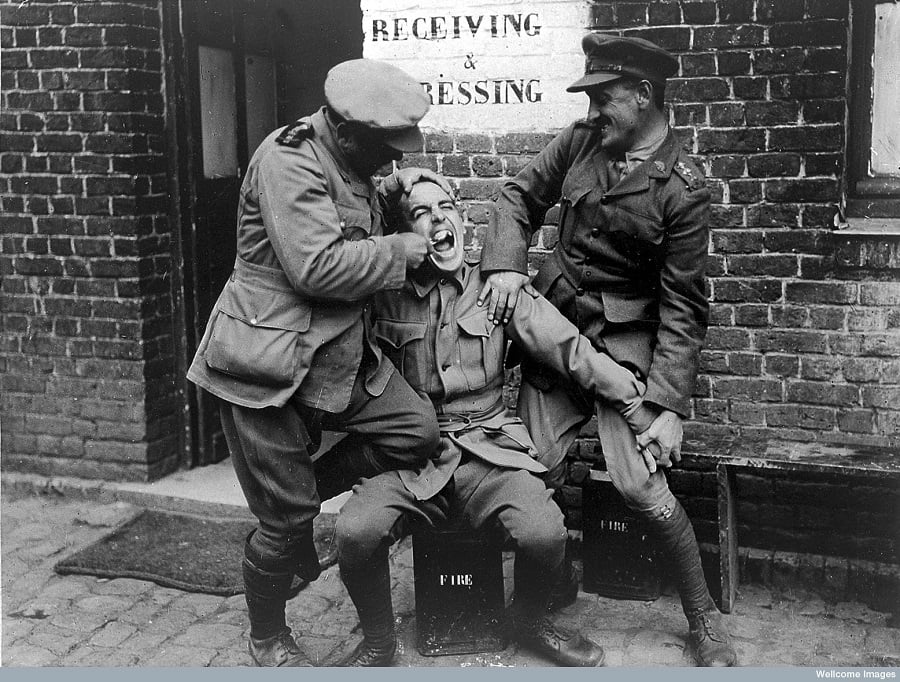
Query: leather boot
{"type": "Point", "coordinates": [709, 640]}
{"type": "Point", "coordinates": [675, 537]}
{"type": "Point", "coordinates": [280, 650]}
{"type": "Point", "coordinates": [271, 643]}
{"type": "Point", "coordinates": [565, 589]}
{"type": "Point", "coordinates": [533, 630]}
{"type": "Point", "coordinates": [369, 588]}
{"type": "Point", "coordinates": [560, 645]}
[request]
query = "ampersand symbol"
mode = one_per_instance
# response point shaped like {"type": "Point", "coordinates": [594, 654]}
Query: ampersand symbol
{"type": "Point", "coordinates": [470, 62]}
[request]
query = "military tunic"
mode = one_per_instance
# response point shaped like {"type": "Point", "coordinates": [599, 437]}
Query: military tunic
{"type": "Point", "coordinates": [289, 347]}
{"type": "Point", "coordinates": [444, 345]}
{"type": "Point", "coordinates": [628, 269]}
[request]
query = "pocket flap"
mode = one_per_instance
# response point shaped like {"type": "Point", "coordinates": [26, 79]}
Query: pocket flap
{"type": "Point", "coordinates": [476, 325]}
{"type": "Point", "coordinates": [264, 308]}
{"type": "Point", "coordinates": [398, 333]}
{"type": "Point", "coordinates": [351, 217]}
{"type": "Point", "coordinates": [575, 193]}
{"type": "Point", "coordinates": [629, 308]}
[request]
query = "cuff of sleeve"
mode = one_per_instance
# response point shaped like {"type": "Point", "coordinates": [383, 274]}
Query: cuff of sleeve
{"type": "Point", "coordinates": [390, 185]}
{"type": "Point", "coordinates": [677, 404]}
{"type": "Point", "coordinates": [395, 274]}
{"type": "Point", "coordinates": [640, 418]}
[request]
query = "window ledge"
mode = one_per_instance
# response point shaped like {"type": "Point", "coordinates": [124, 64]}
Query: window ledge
{"type": "Point", "coordinates": [874, 227]}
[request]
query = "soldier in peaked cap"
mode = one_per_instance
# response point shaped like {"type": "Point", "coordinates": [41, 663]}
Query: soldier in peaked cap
{"type": "Point", "coordinates": [289, 348]}
{"type": "Point", "coordinates": [629, 270]}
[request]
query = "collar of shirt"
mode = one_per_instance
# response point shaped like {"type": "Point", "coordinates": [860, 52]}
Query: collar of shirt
{"type": "Point", "coordinates": [636, 157]}
{"type": "Point", "coordinates": [422, 286]}
{"type": "Point", "coordinates": [327, 136]}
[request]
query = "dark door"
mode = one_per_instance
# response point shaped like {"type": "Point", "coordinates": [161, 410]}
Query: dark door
{"type": "Point", "coordinates": [252, 65]}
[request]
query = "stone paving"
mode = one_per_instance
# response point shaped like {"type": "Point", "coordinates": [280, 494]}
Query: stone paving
{"type": "Point", "coordinates": [52, 620]}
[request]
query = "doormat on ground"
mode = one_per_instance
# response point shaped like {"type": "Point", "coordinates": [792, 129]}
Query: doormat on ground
{"type": "Point", "coordinates": [189, 553]}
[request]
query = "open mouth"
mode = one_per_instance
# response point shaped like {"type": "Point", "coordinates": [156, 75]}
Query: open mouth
{"type": "Point", "coordinates": [443, 242]}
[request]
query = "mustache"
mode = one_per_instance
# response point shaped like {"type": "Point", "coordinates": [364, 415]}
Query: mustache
{"type": "Point", "coordinates": [596, 123]}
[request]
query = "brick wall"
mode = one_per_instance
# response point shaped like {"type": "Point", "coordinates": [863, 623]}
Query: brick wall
{"type": "Point", "coordinates": [87, 368]}
{"type": "Point", "coordinates": [804, 341]}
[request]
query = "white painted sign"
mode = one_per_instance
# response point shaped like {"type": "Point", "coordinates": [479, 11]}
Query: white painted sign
{"type": "Point", "coordinates": [485, 66]}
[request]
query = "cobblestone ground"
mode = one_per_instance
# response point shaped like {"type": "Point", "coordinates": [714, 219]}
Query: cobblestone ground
{"type": "Point", "coordinates": [52, 620]}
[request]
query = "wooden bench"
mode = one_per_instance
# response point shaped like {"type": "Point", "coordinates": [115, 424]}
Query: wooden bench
{"type": "Point", "coordinates": [730, 454]}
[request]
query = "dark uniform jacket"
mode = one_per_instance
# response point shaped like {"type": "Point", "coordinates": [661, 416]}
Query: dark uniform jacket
{"type": "Point", "coordinates": [445, 347]}
{"type": "Point", "coordinates": [293, 317]}
{"type": "Point", "coordinates": [631, 257]}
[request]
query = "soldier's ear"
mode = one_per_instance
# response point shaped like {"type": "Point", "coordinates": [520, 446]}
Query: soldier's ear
{"type": "Point", "coordinates": [644, 93]}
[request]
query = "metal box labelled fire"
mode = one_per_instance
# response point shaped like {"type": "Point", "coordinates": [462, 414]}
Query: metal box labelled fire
{"type": "Point", "coordinates": [459, 592]}
{"type": "Point", "coordinates": [618, 555]}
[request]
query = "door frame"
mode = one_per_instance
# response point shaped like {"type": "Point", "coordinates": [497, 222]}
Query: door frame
{"type": "Point", "coordinates": [189, 246]}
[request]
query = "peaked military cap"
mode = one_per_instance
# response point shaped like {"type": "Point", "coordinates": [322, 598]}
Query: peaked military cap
{"type": "Point", "coordinates": [381, 97]}
{"type": "Point", "coordinates": [610, 57]}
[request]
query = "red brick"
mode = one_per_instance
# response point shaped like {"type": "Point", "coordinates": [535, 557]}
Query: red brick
{"type": "Point", "coordinates": [751, 315]}
{"type": "Point", "coordinates": [856, 421]}
{"type": "Point", "coordinates": [804, 416]}
{"type": "Point", "coordinates": [723, 338]}
{"type": "Point", "coordinates": [881, 396]}
{"type": "Point", "coordinates": [689, 114]}
{"type": "Point", "coordinates": [772, 113]}
{"type": "Point", "coordinates": [699, 12]}
{"type": "Point", "coordinates": [750, 87]}
{"type": "Point", "coordinates": [703, 64]}
{"type": "Point", "coordinates": [790, 341]}
{"type": "Point", "coordinates": [732, 140]}
{"type": "Point", "coordinates": [747, 413]}
{"type": "Point", "coordinates": [734, 63]}
{"type": "Point", "coordinates": [822, 368]}
{"type": "Point", "coordinates": [631, 14]}
{"type": "Point", "coordinates": [781, 365]}
{"type": "Point", "coordinates": [824, 164]}
{"type": "Point", "coordinates": [768, 390]}
{"type": "Point", "coordinates": [806, 138]}
{"type": "Point", "coordinates": [522, 142]}
{"type": "Point", "coordinates": [674, 38]}
{"type": "Point", "coordinates": [664, 13]}
{"type": "Point", "coordinates": [697, 89]}
{"type": "Point", "coordinates": [823, 111]}
{"type": "Point", "coordinates": [746, 290]}
{"type": "Point", "coordinates": [821, 292]}
{"type": "Point", "coordinates": [804, 86]}
{"type": "Point", "coordinates": [473, 143]}
{"type": "Point", "coordinates": [801, 190]}
{"type": "Point", "coordinates": [763, 265]}
{"type": "Point", "coordinates": [808, 33]}
{"type": "Point", "coordinates": [823, 393]}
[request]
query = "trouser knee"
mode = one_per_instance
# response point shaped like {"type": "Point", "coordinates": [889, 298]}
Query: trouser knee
{"type": "Point", "coordinates": [649, 500]}
{"type": "Point", "coordinates": [358, 539]}
{"type": "Point", "coordinates": [292, 555]}
{"type": "Point", "coordinates": [425, 438]}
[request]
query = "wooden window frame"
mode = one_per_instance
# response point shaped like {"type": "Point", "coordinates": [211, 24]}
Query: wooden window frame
{"type": "Point", "coordinates": [870, 204]}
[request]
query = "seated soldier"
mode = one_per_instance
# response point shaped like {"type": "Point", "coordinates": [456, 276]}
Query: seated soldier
{"type": "Point", "coordinates": [487, 473]}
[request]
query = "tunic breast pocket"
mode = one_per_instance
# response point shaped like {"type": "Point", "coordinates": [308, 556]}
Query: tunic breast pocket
{"type": "Point", "coordinates": [398, 340]}
{"type": "Point", "coordinates": [355, 222]}
{"type": "Point", "coordinates": [481, 347]}
{"type": "Point", "coordinates": [637, 237]}
{"type": "Point", "coordinates": [571, 205]}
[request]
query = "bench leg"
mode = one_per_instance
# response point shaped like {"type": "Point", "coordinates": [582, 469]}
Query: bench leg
{"type": "Point", "coordinates": [728, 565]}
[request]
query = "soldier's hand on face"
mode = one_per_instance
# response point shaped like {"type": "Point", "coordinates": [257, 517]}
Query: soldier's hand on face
{"type": "Point", "coordinates": [415, 246]}
{"type": "Point", "coordinates": [501, 293]}
{"type": "Point", "coordinates": [660, 444]}
{"type": "Point", "coordinates": [407, 177]}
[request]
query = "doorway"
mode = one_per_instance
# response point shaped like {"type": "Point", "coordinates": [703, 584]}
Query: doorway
{"type": "Point", "coordinates": [241, 69]}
